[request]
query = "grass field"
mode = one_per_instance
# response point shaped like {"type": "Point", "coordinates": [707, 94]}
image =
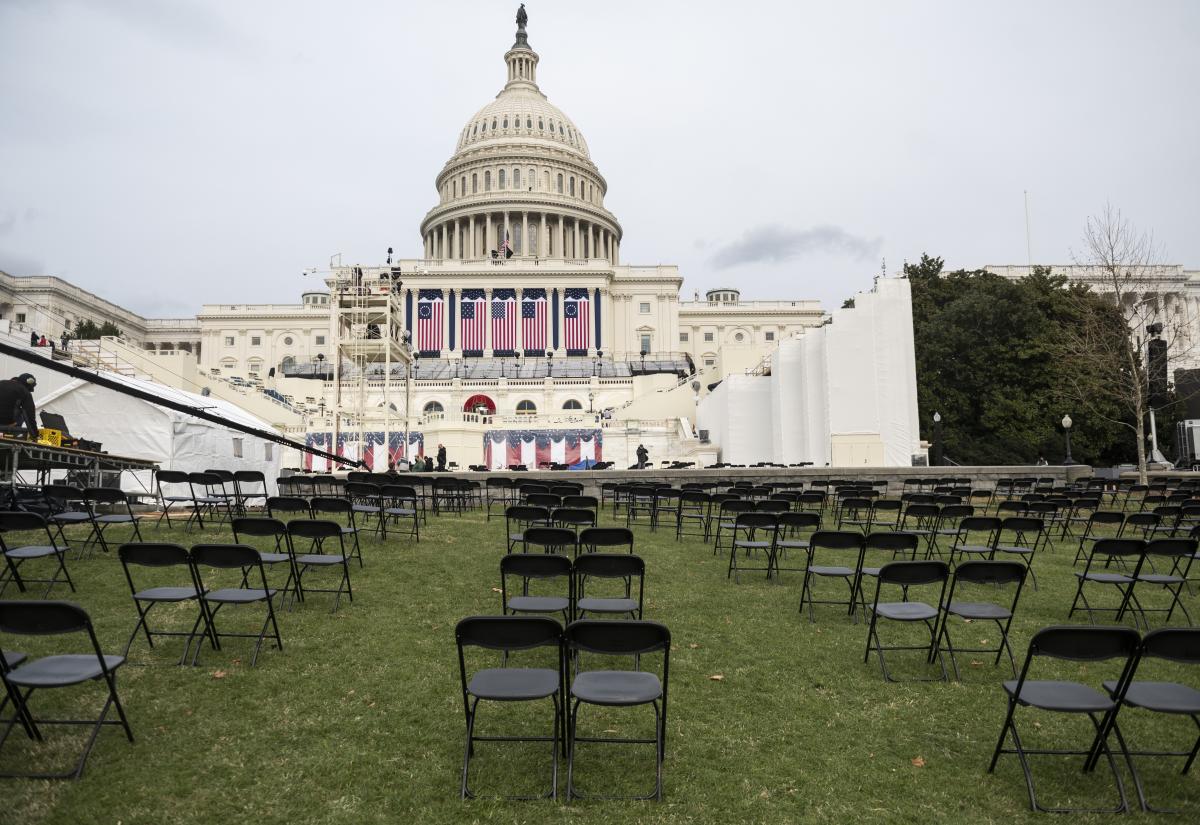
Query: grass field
{"type": "Point", "coordinates": [359, 719]}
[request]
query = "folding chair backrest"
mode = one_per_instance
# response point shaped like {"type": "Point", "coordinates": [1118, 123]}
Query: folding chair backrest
{"type": "Point", "coordinates": [250, 526]}
{"type": "Point", "coordinates": [896, 542]}
{"type": "Point", "coordinates": [508, 632]}
{"type": "Point", "coordinates": [398, 492]}
{"type": "Point", "coordinates": [250, 477]}
{"type": "Point", "coordinates": [1118, 547]}
{"type": "Point", "coordinates": [549, 536]}
{"type": "Point", "coordinates": [535, 565]}
{"type": "Point", "coordinates": [607, 537]}
{"type": "Point", "coordinates": [736, 506]}
{"type": "Point", "coordinates": [610, 565]}
{"type": "Point", "coordinates": [105, 495]}
{"type": "Point", "coordinates": [1080, 643]}
{"type": "Point", "coordinates": [225, 556]}
{"type": "Point", "coordinates": [543, 500]}
{"type": "Point", "coordinates": [526, 513]}
{"type": "Point", "coordinates": [327, 504]}
{"type": "Point", "coordinates": [17, 520]}
{"type": "Point", "coordinates": [914, 572]}
{"type": "Point", "coordinates": [581, 502]}
{"type": "Point", "coordinates": [1176, 644]}
{"type": "Point", "coordinates": [617, 638]}
{"type": "Point", "coordinates": [573, 515]}
{"type": "Point", "coordinates": [170, 477]}
{"type": "Point", "coordinates": [62, 494]}
{"type": "Point", "coordinates": [361, 489]}
{"type": "Point", "coordinates": [27, 617]}
{"type": "Point", "coordinates": [772, 505]}
{"type": "Point", "coordinates": [956, 511]}
{"type": "Point", "coordinates": [1107, 517]}
{"type": "Point", "coordinates": [757, 521]}
{"type": "Point", "coordinates": [1175, 547]}
{"type": "Point", "coordinates": [288, 504]}
{"type": "Point", "coordinates": [152, 554]}
{"type": "Point", "coordinates": [1027, 527]}
{"type": "Point", "coordinates": [836, 540]}
{"type": "Point", "coordinates": [799, 521]}
{"type": "Point", "coordinates": [990, 572]}
{"type": "Point", "coordinates": [314, 528]}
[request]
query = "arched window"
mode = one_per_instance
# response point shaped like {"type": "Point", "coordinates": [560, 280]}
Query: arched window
{"type": "Point", "coordinates": [541, 124]}
{"type": "Point", "coordinates": [571, 188]}
{"type": "Point", "coordinates": [474, 183]}
{"type": "Point", "coordinates": [560, 184]}
{"type": "Point", "coordinates": [516, 179]}
{"type": "Point", "coordinates": [287, 362]}
{"type": "Point", "coordinates": [572, 404]}
{"type": "Point", "coordinates": [533, 247]}
{"type": "Point", "coordinates": [433, 407]}
{"type": "Point", "coordinates": [532, 179]}
{"type": "Point", "coordinates": [526, 407]}
{"type": "Point", "coordinates": [493, 124]}
{"type": "Point", "coordinates": [454, 189]}
{"type": "Point", "coordinates": [483, 126]}
{"type": "Point", "coordinates": [475, 131]}
{"type": "Point", "coordinates": [487, 181]}
{"type": "Point", "coordinates": [506, 122]}
{"type": "Point", "coordinates": [463, 187]}
{"type": "Point", "coordinates": [516, 236]}
{"type": "Point", "coordinates": [528, 123]}
{"type": "Point", "coordinates": [500, 179]}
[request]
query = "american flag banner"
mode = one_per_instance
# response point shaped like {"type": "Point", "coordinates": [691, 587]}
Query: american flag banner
{"type": "Point", "coordinates": [474, 320]}
{"type": "Point", "coordinates": [533, 448]}
{"type": "Point", "coordinates": [504, 321]}
{"type": "Point", "coordinates": [577, 322]}
{"type": "Point", "coordinates": [430, 305]}
{"type": "Point", "coordinates": [533, 320]}
{"type": "Point", "coordinates": [373, 452]}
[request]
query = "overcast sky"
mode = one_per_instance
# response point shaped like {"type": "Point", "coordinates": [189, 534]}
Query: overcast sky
{"type": "Point", "coordinates": [169, 153]}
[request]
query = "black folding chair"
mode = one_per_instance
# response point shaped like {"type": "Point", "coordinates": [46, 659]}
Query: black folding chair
{"type": "Point", "coordinates": [552, 540]}
{"type": "Point", "coordinates": [249, 486]}
{"type": "Point", "coordinates": [573, 518]}
{"type": "Point", "coordinates": [753, 532]}
{"type": "Point", "coordinates": [536, 567]}
{"type": "Point", "coordinates": [209, 499]}
{"type": "Point", "coordinates": [795, 529]}
{"type": "Point", "coordinates": [727, 514]}
{"type": "Point", "coordinates": [617, 688]}
{"type": "Point", "coordinates": [246, 561]}
{"type": "Point", "coordinates": [982, 577]}
{"type": "Point", "coordinates": [17, 555]}
{"type": "Point", "coordinates": [692, 510]}
{"type": "Point", "coordinates": [367, 501]}
{"type": "Point", "coordinates": [1022, 536]}
{"type": "Point", "coordinates": [949, 526]}
{"type": "Point", "coordinates": [1169, 562]}
{"type": "Point", "coordinates": [67, 507]}
{"type": "Point", "coordinates": [520, 517]}
{"type": "Point", "coordinates": [622, 566]}
{"type": "Point", "coordinates": [119, 511]}
{"type": "Point", "coordinates": [843, 543]}
{"type": "Point", "coordinates": [328, 507]}
{"type": "Point", "coordinates": [975, 537]}
{"type": "Point", "coordinates": [899, 547]}
{"type": "Point", "coordinates": [320, 533]}
{"type": "Point", "coordinates": [509, 634]}
{"type": "Point", "coordinates": [167, 498]}
{"type": "Point", "coordinates": [1179, 646]}
{"type": "Point", "coordinates": [1098, 521]}
{"type": "Point", "coordinates": [1127, 555]}
{"type": "Point", "coordinates": [593, 538]}
{"type": "Point", "coordinates": [1073, 644]}
{"type": "Point", "coordinates": [285, 507]}
{"type": "Point", "coordinates": [907, 575]}
{"type": "Point", "coordinates": [401, 504]}
{"type": "Point", "coordinates": [182, 587]}
{"type": "Point", "coordinates": [284, 552]}
{"type": "Point", "coordinates": [38, 618]}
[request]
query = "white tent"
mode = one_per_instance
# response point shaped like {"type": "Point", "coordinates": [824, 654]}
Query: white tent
{"type": "Point", "coordinates": [129, 426]}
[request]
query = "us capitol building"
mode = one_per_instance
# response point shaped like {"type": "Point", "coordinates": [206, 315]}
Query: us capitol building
{"type": "Point", "coordinates": [518, 335]}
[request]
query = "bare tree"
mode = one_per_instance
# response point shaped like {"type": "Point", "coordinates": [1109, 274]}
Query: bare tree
{"type": "Point", "coordinates": [1107, 344]}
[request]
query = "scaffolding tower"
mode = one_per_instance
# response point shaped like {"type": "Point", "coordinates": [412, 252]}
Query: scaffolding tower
{"type": "Point", "coordinates": [372, 357]}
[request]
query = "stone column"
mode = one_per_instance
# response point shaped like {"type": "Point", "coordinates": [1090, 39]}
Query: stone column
{"type": "Point", "coordinates": [452, 321]}
{"type": "Point", "coordinates": [442, 248]}
{"type": "Point", "coordinates": [520, 344]}
{"type": "Point", "coordinates": [487, 235]}
{"type": "Point", "coordinates": [471, 236]}
{"type": "Point", "coordinates": [575, 251]}
{"type": "Point", "coordinates": [487, 322]}
{"type": "Point", "coordinates": [543, 240]}
{"type": "Point", "coordinates": [525, 233]}
{"type": "Point", "coordinates": [562, 238]}
{"type": "Point", "coordinates": [616, 258]}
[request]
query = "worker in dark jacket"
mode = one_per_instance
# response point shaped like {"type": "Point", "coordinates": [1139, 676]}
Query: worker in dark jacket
{"type": "Point", "coordinates": [16, 403]}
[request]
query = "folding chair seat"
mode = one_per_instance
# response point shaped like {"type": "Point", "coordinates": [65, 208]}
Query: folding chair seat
{"type": "Point", "coordinates": [623, 566]}
{"type": "Point", "coordinates": [520, 517]}
{"type": "Point", "coordinates": [171, 496]}
{"type": "Point", "coordinates": [727, 521]}
{"type": "Point", "coordinates": [246, 561]}
{"type": "Point", "coordinates": [949, 518]}
{"type": "Point", "coordinates": [282, 507]}
{"type": "Point", "coordinates": [558, 540]}
{"type": "Point", "coordinates": [118, 512]}
{"type": "Point", "coordinates": [401, 504]}
{"type": "Point", "coordinates": [975, 538]}
{"type": "Point", "coordinates": [592, 539]}
{"type": "Point", "coordinates": [573, 518]}
{"type": "Point", "coordinates": [21, 681]}
{"type": "Point", "coordinates": [753, 532]}
{"type": "Point", "coordinates": [1128, 556]}
{"type": "Point", "coordinates": [541, 567]}
{"type": "Point", "coordinates": [1166, 564]}
{"type": "Point", "coordinates": [908, 575]}
{"type": "Point", "coordinates": [692, 510]}
{"type": "Point", "coordinates": [587, 638]}
{"type": "Point", "coordinates": [1179, 647]}
{"type": "Point", "coordinates": [366, 500]}
{"type": "Point", "coordinates": [900, 546]}
{"type": "Point", "coordinates": [1077, 644]}
{"type": "Point", "coordinates": [209, 499]}
{"type": "Point", "coordinates": [343, 511]}
{"type": "Point", "coordinates": [249, 486]}
{"type": "Point", "coordinates": [666, 500]}
{"type": "Point", "coordinates": [67, 507]}
{"type": "Point", "coordinates": [849, 546]}
{"type": "Point", "coordinates": [16, 555]}
{"type": "Point", "coordinates": [978, 578]}
{"type": "Point", "coordinates": [1099, 522]}
{"type": "Point", "coordinates": [284, 552]}
{"type": "Point", "coordinates": [182, 586]}
{"type": "Point", "coordinates": [320, 533]}
{"type": "Point", "coordinates": [509, 635]}
{"type": "Point", "coordinates": [1021, 536]}
{"type": "Point", "coordinates": [795, 528]}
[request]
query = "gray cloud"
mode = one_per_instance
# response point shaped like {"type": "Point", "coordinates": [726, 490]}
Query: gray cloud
{"type": "Point", "coordinates": [16, 264]}
{"type": "Point", "coordinates": [181, 21]}
{"type": "Point", "coordinates": [775, 244]}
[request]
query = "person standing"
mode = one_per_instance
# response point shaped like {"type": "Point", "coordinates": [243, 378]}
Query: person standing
{"type": "Point", "coordinates": [441, 458]}
{"type": "Point", "coordinates": [642, 455]}
{"type": "Point", "coordinates": [33, 338]}
{"type": "Point", "coordinates": [16, 403]}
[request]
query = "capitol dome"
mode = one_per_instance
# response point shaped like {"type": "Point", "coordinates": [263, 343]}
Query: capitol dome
{"type": "Point", "coordinates": [521, 181]}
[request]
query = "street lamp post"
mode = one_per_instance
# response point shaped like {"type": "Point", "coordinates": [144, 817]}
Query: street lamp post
{"type": "Point", "coordinates": [591, 398]}
{"type": "Point", "coordinates": [1066, 423]}
{"type": "Point", "coordinates": [937, 439]}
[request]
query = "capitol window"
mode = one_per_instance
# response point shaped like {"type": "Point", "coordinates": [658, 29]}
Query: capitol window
{"type": "Point", "coordinates": [320, 340]}
{"type": "Point", "coordinates": [541, 124]}
{"type": "Point", "coordinates": [475, 131]}
{"type": "Point", "coordinates": [493, 124]}
{"type": "Point", "coordinates": [526, 408]}
{"type": "Point", "coordinates": [708, 336]}
{"type": "Point", "coordinates": [287, 342]}
{"type": "Point", "coordinates": [528, 123]}
{"type": "Point", "coordinates": [474, 183]}
{"type": "Point", "coordinates": [433, 407]}
{"type": "Point", "coordinates": [683, 337]}
{"type": "Point", "coordinates": [484, 126]}
{"type": "Point", "coordinates": [708, 362]}
{"type": "Point", "coordinates": [454, 189]}
{"type": "Point", "coordinates": [505, 123]}
{"type": "Point", "coordinates": [644, 308]}
{"type": "Point", "coordinates": [500, 179]}
{"type": "Point", "coordinates": [487, 181]}
{"type": "Point", "coordinates": [516, 179]}
{"type": "Point", "coordinates": [463, 187]}
{"type": "Point", "coordinates": [572, 404]}
{"type": "Point", "coordinates": [229, 340]}
{"type": "Point", "coordinates": [770, 336]}
{"type": "Point", "coordinates": [255, 341]}
{"type": "Point", "coordinates": [560, 184]}
{"type": "Point", "coordinates": [571, 188]}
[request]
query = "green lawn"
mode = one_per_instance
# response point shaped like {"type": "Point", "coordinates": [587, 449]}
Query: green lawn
{"type": "Point", "coordinates": [359, 719]}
